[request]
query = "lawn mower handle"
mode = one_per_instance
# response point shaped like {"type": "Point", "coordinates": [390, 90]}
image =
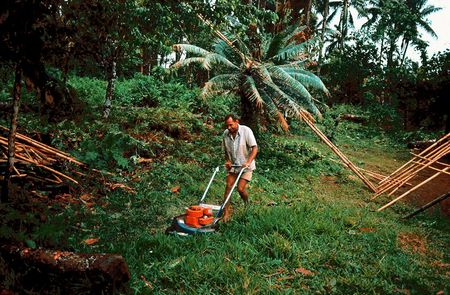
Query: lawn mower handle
{"type": "Point", "coordinates": [209, 184]}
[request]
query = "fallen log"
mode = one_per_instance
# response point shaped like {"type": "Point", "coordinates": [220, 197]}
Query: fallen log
{"type": "Point", "coordinates": [42, 271]}
{"type": "Point", "coordinates": [353, 118]}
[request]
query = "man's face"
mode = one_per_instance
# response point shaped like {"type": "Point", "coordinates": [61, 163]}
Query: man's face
{"type": "Point", "coordinates": [232, 125]}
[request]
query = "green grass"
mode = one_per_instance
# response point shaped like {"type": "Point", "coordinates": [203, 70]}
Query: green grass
{"type": "Point", "coordinates": [308, 215]}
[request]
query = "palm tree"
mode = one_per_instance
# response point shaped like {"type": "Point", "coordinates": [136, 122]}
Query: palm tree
{"type": "Point", "coordinates": [346, 19]}
{"type": "Point", "coordinates": [394, 20]}
{"type": "Point", "coordinates": [420, 11]}
{"type": "Point", "coordinates": [274, 83]}
{"type": "Point", "coordinates": [323, 6]}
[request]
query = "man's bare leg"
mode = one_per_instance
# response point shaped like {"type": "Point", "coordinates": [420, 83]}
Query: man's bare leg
{"type": "Point", "coordinates": [231, 178]}
{"type": "Point", "coordinates": [242, 185]}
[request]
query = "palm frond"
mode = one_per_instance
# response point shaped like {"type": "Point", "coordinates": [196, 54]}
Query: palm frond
{"type": "Point", "coordinates": [306, 78]}
{"type": "Point", "coordinates": [300, 92]}
{"type": "Point", "coordinates": [281, 99]}
{"type": "Point", "coordinates": [191, 49]}
{"type": "Point", "coordinates": [214, 58]}
{"type": "Point", "coordinates": [273, 46]}
{"type": "Point", "coordinates": [188, 61]}
{"type": "Point", "coordinates": [252, 93]}
{"type": "Point", "coordinates": [222, 48]}
{"type": "Point", "coordinates": [221, 84]}
{"type": "Point", "coordinates": [293, 52]}
{"type": "Point", "coordinates": [282, 121]}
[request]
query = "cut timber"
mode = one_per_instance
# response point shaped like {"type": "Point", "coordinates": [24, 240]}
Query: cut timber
{"type": "Point", "coordinates": [39, 271]}
{"type": "Point", "coordinates": [306, 118]}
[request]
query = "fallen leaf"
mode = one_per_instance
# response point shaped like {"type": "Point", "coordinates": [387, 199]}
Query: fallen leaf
{"type": "Point", "coordinates": [146, 282]}
{"type": "Point", "coordinates": [145, 160]}
{"type": "Point", "coordinates": [91, 241]}
{"type": "Point", "coordinates": [304, 271]}
{"type": "Point", "coordinates": [175, 189]}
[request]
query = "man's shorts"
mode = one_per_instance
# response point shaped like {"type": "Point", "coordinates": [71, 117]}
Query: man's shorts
{"type": "Point", "coordinates": [246, 175]}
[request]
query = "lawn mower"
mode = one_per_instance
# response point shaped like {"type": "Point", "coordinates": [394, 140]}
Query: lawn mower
{"type": "Point", "coordinates": [202, 218]}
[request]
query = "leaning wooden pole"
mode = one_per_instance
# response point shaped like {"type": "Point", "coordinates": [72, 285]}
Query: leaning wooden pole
{"type": "Point", "coordinates": [423, 154]}
{"type": "Point", "coordinates": [412, 189]}
{"type": "Point", "coordinates": [344, 159]}
{"type": "Point", "coordinates": [430, 204]}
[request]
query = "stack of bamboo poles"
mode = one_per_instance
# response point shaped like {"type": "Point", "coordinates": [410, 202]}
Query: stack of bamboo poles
{"type": "Point", "coordinates": [409, 170]}
{"type": "Point", "coordinates": [31, 152]}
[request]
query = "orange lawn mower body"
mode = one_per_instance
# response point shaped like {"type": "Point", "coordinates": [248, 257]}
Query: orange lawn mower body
{"type": "Point", "coordinates": [201, 218]}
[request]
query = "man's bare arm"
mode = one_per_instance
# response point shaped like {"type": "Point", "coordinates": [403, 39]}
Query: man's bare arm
{"type": "Point", "coordinates": [252, 156]}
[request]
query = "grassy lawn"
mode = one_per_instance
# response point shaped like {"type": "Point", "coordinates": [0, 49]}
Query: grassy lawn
{"type": "Point", "coordinates": [311, 227]}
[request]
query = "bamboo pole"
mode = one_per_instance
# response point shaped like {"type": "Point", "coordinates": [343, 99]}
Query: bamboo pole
{"type": "Point", "coordinates": [437, 162]}
{"type": "Point", "coordinates": [421, 153]}
{"type": "Point", "coordinates": [411, 172]}
{"type": "Point", "coordinates": [344, 159]}
{"type": "Point", "coordinates": [437, 169]}
{"type": "Point", "coordinates": [412, 168]}
{"type": "Point", "coordinates": [372, 174]}
{"type": "Point", "coordinates": [411, 190]}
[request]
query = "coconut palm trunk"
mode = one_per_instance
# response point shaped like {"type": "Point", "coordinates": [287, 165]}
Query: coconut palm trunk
{"type": "Point", "coordinates": [326, 11]}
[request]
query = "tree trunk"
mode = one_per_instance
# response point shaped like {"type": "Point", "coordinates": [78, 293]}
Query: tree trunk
{"type": "Point", "coordinates": [344, 23]}
{"type": "Point", "coordinates": [145, 66]}
{"type": "Point", "coordinates": [307, 13]}
{"type": "Point", "coordinates": [404, 52]}
{"type": "Point", "coordinates": [322, 34]}
{"type": "Point", "coordinates": [112, 75]}
{"type": "Point", "coordinates": [249, 114]}
{"type": "Point", "coordinates": [12, 133]}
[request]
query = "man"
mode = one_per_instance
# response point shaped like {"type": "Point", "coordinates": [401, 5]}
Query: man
{"type": "Point", "coordinates": [240, 148]}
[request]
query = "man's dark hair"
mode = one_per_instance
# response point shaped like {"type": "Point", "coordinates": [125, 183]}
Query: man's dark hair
{"type": "Point", "coordinates": [232, 116]}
